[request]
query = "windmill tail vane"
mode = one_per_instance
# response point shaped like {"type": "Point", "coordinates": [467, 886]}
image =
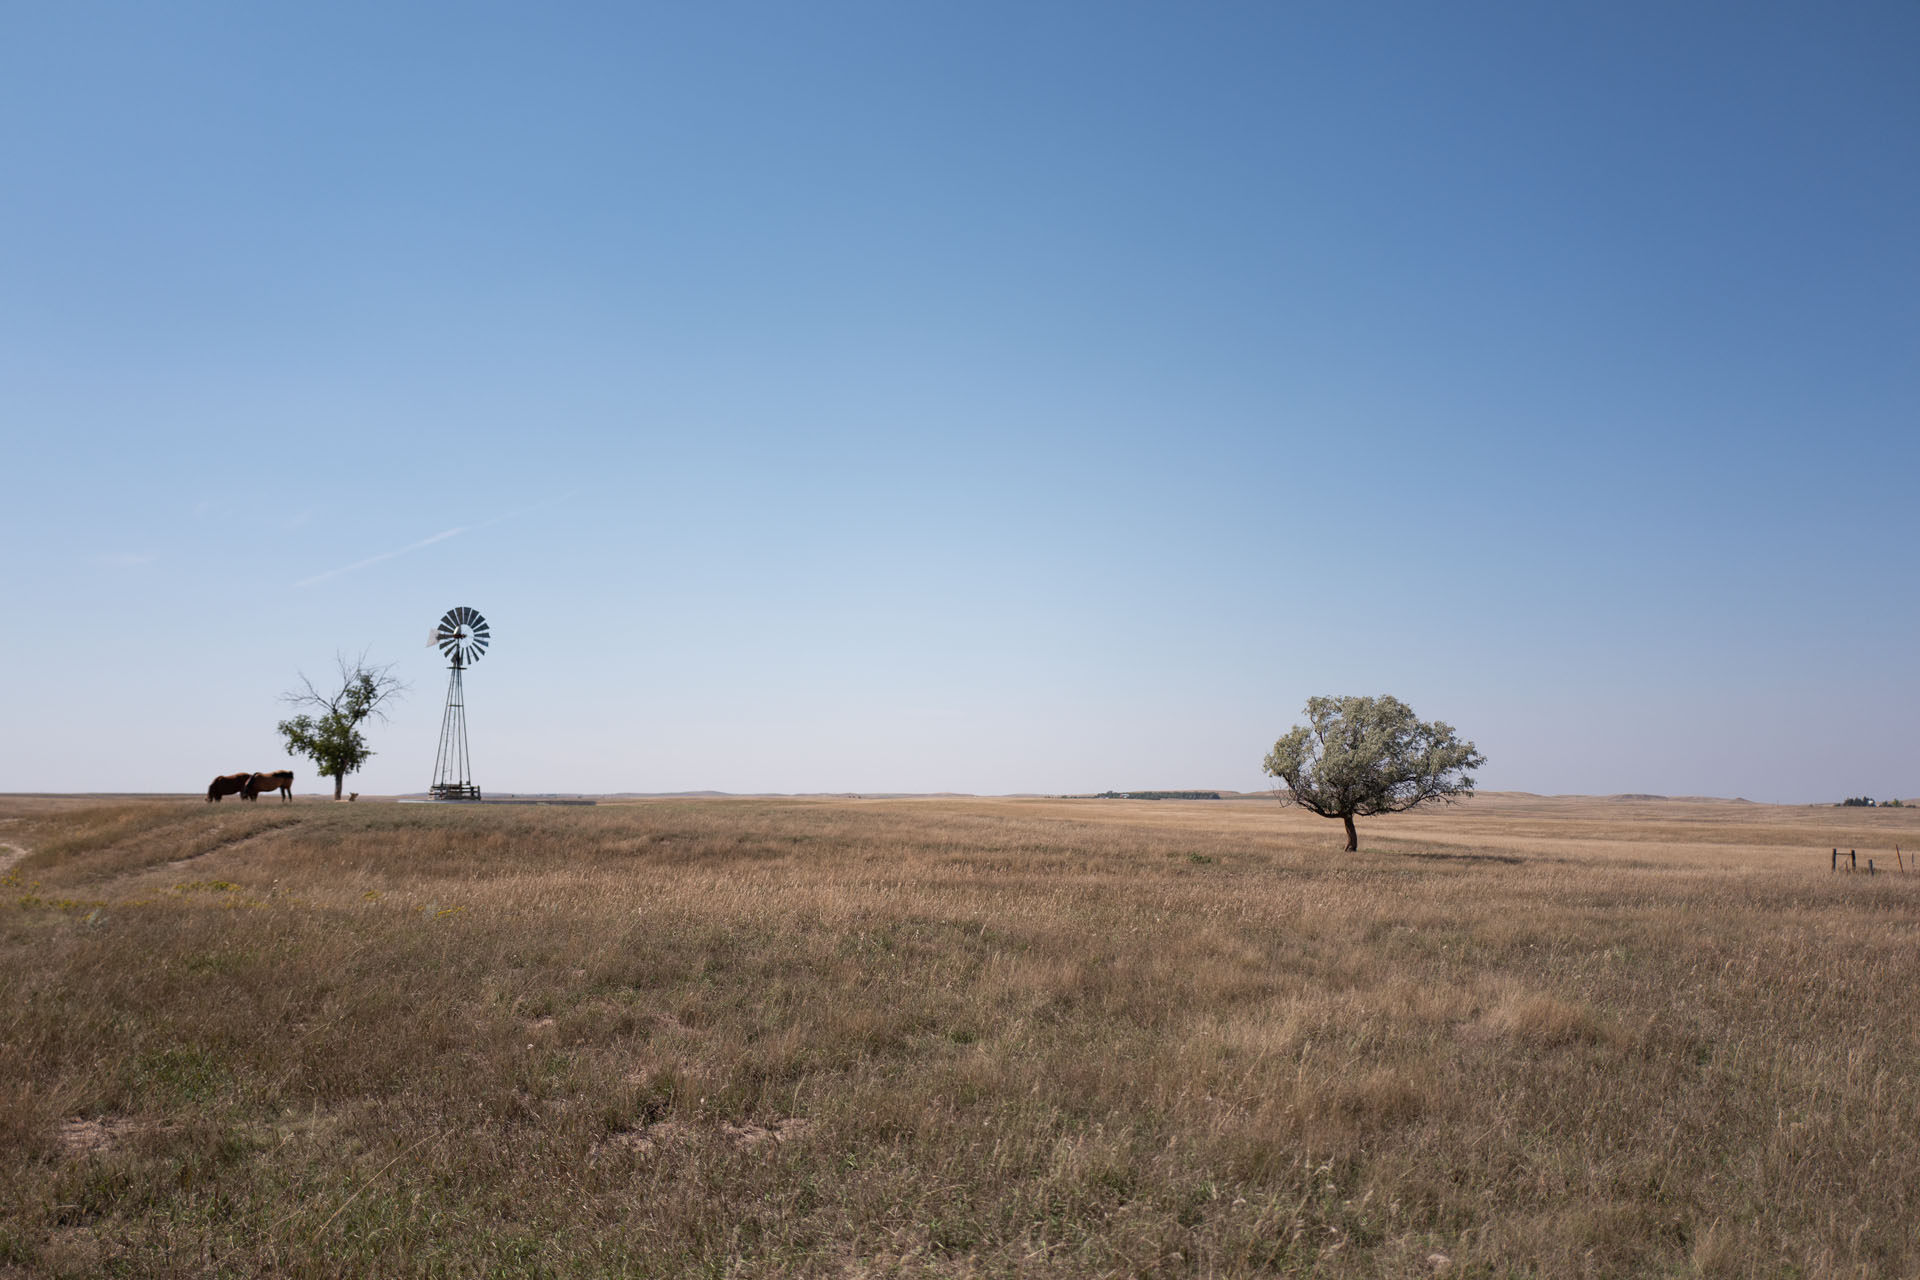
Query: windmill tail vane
{"type": "Point", "coordinates": [462, 635]}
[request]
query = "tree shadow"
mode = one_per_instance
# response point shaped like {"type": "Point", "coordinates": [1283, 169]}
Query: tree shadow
{"type": "Point", "coordinates": [1505, 859]}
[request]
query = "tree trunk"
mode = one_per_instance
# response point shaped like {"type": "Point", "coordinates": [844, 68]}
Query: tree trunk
{"type": "Point", "coordinates": [339, 778]}
{"type": "Point", "coordinates": [1353, 837]}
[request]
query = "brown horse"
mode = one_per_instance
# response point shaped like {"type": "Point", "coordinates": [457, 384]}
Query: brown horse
{"type": "Point", "coordinates": [280, 780]}
{"type": "Point", "coordinates": [227, 784]}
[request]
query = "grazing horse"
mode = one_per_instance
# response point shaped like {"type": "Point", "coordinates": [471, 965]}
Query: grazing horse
{"type": "Point", "coordinates": [280, 780]}
{"type": "Point", "coordinates": [227, 784]}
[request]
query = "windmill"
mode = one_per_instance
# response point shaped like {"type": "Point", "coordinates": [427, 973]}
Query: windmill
{"type": "Point", "coordinates": [462, 635]}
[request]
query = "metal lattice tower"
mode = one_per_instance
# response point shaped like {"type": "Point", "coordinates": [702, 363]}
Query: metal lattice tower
{"type": "Point", "coordinates": [463, 636]}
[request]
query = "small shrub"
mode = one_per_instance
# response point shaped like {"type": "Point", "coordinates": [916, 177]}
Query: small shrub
{"type": "Point", "coordinates": [1547, 1022]}
{"type": "Point", "coordinates": [1379, 1100]}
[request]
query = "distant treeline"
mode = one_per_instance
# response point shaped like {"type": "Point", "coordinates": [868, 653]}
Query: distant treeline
{"type": "Point", "coordinates": [1158, 795]}
{"type": "Point", "coordinates": [1868, 802]}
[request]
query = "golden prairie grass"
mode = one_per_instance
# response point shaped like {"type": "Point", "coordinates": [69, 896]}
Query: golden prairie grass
{"type": "Point", "coordinates": [955, 1037]}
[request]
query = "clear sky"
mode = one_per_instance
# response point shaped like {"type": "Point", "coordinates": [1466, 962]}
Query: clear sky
{"type": "Point", "coordinates": [1024, 397]}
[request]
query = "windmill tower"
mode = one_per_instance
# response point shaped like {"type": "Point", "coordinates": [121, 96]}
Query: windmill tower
{"type": "Point", "coordinates": [462, 635]}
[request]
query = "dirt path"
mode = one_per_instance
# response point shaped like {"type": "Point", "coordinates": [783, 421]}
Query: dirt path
{"type": "Point", "coordinates": [10, 854]}
{"type": "Point", "coordinates": [223, 846]}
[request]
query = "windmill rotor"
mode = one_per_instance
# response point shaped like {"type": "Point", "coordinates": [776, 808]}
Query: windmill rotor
{"type": "Point", "coordinates": [462, 635]}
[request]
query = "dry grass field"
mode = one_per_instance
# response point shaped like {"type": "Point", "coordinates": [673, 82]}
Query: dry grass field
{"type": "Point", "coordinates": [954, 1037]}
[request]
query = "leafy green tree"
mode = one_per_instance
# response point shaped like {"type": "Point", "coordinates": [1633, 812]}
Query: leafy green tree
{"type": "Point", "coordinates": [329, 735]}
{"type": "Point", "coordinates": [1366, 756]}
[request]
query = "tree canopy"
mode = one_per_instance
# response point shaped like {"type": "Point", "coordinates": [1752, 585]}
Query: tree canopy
{"type": "Point", "coordinates": [1356, 757]}
{"type": "Point", "coordinates": [330, 734]}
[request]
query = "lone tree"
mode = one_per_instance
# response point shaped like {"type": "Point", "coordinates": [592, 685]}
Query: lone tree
{"type": "Point", "coordinates": [1362, 756]}
{"type": "Point", "coordinates": [329, 735]}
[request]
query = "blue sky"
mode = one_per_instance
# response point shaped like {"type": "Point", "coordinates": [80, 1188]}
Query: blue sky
{"type": "Point", "coordinates": [979, 398]}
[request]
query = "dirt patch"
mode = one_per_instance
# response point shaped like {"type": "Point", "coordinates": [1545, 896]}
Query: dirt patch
{"type": "Point", "coordinates": [751, 1135]}
{"type": "Point", "coordinates": [647, 1137]}
{"type": "Point", "coordinates": [97, 1136]}
{"type": "Point", "coordinates": [746, 1136]}
{"type": "Point", "coordinates": [10, 854]}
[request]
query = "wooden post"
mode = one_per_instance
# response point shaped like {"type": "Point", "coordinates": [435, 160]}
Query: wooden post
{"type": "Point", "coordinates": [1869, 866]}
{"type": "Point", "coordinates": [1898, 860]}
{"type": "Point", "coordinates": [1853, 860]}
{"type": "Point", "coordinates": [1834, 865]}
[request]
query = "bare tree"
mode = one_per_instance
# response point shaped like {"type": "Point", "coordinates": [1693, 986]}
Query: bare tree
{"type": "Point", "coordinates": [329, 734]}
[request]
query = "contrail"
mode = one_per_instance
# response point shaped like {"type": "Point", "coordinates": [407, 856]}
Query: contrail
{"type": "Point", "coordinates": [442, 536]}
{"type": "Point", "coordinates": [529, 509]}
